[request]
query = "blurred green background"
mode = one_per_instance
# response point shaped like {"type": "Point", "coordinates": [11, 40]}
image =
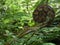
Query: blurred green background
{"type": "Point", "coordinates": [14, 14]}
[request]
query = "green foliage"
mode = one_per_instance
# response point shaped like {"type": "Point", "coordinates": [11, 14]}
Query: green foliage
{"type": "Point", "coordinates": [15, 14]}
{"type": "Point", "coordinates": [48, 44]}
